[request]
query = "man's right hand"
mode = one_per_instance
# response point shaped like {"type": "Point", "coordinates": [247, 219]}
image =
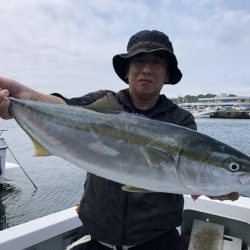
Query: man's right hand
{"type": "Point", "coordinates": [8, 88]}
{"type": "Point", "coordinates": [4, 104]}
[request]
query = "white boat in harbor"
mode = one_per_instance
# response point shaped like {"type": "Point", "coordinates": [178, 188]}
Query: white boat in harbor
{"type": "Point", "coordinates": [57, 230]}
{"type": "Point", "coordinates": [202, 114]}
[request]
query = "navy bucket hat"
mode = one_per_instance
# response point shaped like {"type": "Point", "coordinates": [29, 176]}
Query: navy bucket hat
{"type": "Point", "coordinates": [147, 41]}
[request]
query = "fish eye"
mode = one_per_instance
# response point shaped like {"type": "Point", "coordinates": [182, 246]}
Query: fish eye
{"type": "Point", "coordinates": [234, 167]}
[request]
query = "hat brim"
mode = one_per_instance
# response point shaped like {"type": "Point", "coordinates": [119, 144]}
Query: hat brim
{"type": "Point", "coordinates": [120, 64]}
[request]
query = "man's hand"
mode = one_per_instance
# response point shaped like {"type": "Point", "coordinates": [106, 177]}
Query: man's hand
{"type": "Point", "coordinates": [8, 88]}
{"type": "Point", "coordinates": [232, 197]}
{"type": "Point", "coordinates": [4, 104]}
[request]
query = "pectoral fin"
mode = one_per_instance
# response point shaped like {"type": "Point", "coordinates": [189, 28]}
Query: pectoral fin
{"type": "Point", "coordinates": [154, 156]}
{"type": "Point", "coordinates": [135, 189]}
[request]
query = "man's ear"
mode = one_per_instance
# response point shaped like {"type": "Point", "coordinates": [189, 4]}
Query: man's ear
{"type": "Point", "coordinates": [127, 70]}
{"type": "Point", "coordinates": [167, 76]}
{"type": "Point", "coordinates": [126, 75]}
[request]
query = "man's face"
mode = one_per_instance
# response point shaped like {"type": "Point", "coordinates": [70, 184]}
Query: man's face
{"type": "Point", "coordinates": [146, 75]}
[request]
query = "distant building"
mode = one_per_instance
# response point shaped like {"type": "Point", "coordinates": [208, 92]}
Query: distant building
{"type": "Point", "coordinates": [222, 100]}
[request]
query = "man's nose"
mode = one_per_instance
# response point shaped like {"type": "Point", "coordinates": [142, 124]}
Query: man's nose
{"type": "Point", "coordinates": [147, 66]}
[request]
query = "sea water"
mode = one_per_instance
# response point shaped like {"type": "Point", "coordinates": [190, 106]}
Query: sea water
{"type": "Point", "coordinates": [60, 184]}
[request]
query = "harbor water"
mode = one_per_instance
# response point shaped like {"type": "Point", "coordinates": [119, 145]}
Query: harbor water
{"type": "Point", "coordinates": [60, 184]}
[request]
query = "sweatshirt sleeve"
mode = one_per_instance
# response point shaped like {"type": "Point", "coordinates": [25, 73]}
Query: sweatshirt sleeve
{"type": "Point", "coordinates": [184, 118]}
{"type": "Point", "coordinates": [83, 100]}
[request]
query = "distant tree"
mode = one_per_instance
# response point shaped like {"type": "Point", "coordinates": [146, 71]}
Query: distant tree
{"type": "Point", "coordinates": [206, 96]}
{"type": "Point", "coordinates": [192, 98]}
{"type": "Point", "coordinates": [210, 95]}
{"type": "Point", "coordinates": [232, 95]}
{"type": "Point", "coordinates": [201, 96]}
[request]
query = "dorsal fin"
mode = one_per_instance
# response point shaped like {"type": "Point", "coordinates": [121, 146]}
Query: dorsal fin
{"type": "Point", "coordinates": [106, 103]}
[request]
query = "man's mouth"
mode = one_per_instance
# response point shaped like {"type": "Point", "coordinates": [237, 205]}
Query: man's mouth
{"type": "Point", "coordinates": [145, 80]}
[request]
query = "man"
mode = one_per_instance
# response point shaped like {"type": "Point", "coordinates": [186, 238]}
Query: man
{"type": "Point", "coordinates": [114, 218]}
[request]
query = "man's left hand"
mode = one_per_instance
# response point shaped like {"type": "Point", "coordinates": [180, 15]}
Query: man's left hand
{"type": "Point", "coordinates": [232, 197]}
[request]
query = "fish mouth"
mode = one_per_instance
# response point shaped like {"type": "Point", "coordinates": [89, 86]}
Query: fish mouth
{"type": "Point", "coordinates": [244, 180]}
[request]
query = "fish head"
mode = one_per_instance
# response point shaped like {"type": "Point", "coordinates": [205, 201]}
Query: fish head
{"type": "Point", "coordinates": [234, 166]}
{"type": "Point", "coordinates": [216, 172]}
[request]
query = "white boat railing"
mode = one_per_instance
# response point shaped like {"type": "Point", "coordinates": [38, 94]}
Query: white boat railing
{"type": "Point", "coordinates": [36, 231]}
{"type": "Point", "coordinates": [237, 210]}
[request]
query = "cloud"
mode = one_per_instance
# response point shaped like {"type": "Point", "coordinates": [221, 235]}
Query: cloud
{"type": "Point", "coordinates": [68, 45]}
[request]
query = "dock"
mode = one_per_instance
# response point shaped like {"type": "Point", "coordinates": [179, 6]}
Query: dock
{"type": "Point", "coordinates": [231, 114]}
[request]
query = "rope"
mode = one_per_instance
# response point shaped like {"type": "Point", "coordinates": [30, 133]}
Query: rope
{"type": "Point", "coordinates": [82, 240]}
{"type": "Point", "coordinates": [21, 167]}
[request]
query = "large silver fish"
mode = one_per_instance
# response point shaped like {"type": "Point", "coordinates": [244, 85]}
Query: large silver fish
{"type": "Point", "coordinates": [134, 150]}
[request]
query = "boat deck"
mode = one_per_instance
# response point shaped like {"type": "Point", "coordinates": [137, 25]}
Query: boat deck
{"type": "Point", "coordinates": [231, 114]}
{"type": "Point", "coordinates": [57, 230]}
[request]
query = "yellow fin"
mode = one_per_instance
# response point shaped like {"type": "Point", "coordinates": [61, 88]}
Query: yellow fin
{"type": "Point", "coordinates": [77, 208]}
{"type": "Point", "coordinates": [106, 103]}
{"type": "Point", "coordinates": [135, 189]}
{"type": "Point", "coordinates": [39, 149]}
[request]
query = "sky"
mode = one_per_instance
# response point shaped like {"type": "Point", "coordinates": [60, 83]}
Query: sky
{"type": "Point", "coordinates": [67, 46]}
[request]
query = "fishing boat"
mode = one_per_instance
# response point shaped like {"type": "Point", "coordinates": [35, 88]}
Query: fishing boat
{"type": "Point", "coordinates": [203, 114]}
{"type": "Point", "coordinates": [230, 221]}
